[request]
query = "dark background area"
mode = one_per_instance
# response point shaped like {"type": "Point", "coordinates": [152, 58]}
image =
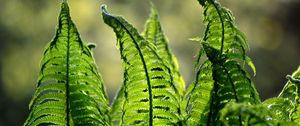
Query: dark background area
{"type": "Point", "coordinates": [272, 28]}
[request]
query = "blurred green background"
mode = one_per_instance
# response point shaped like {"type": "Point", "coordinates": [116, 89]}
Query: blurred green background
{"type": "Point", "coordinates": [272, 28]}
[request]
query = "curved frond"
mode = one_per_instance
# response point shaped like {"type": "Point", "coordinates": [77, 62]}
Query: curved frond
{"type": "Point", "coordinates": [151, 97]}
{"type": "Point", "coordinates": [69, 91]}
{"type": "Point", "coordinates": [224, 45]}
{"type": "Point", "coordinates": [222, 34]}
{"type": "Point", "coordinates": [154, 34]}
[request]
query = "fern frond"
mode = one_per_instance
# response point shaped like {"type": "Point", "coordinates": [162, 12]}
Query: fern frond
{"type": "Point", "coordinates": [69, 90]}
{"type": "Point", "coordinates": [291, 92]}
{"type": "Point", "coordinates": [291, 89]}
{"type": "Point", "coordinates": [223, 44]}
{"type": "Point", "coordinates": [149, 89]}
{"type": "Point", "coordinates": [280, 108]}
{"type": "Point", "coordinates": [154, 33]}
{"type": "Point", "coordinates": [232, 84]}
{"type": "Point", "coordinates": [199, 96]}
{"type": "Point", "coordinates": [222, 34]}
{"type": "Point", "coordinates": [254, 115]}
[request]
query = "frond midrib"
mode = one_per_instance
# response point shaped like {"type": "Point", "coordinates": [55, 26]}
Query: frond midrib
{"type": "Point", "coordinates": [67, 76]}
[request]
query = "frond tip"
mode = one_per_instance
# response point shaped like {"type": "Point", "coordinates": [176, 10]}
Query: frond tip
{"type": "Point", "coordinates": [202, 2]}
{"type": "Point", "coordinates": [293, 80]}
{"type": "Point", "coordinates": [104, 9]}
{"type": "Point", "coordinates": [91, 46]}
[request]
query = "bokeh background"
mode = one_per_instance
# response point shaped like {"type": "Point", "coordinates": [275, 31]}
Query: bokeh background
{"type": "Point", "coordinates": [272, 28]}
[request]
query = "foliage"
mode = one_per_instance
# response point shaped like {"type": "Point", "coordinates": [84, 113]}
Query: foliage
{"type": "Point", "coordinates": [222, 44]}
{"type": "Point", "coordinates": [70, 91]}
{"type": "Point", "coordinates": [151, 96]}
{"type": "Point", "coordinates": [161, 92]}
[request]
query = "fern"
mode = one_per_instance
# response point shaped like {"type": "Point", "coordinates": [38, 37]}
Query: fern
{"type": "Point", "coordinates": [232, 83]}
{"type": "Point", "coordinates": [222, 34]}
{"type": "Point", "coordinates": [223, 45]}
{"type": "Point", "coordinates": [198, 97]}
{"type": "Point", "coordinates": [291, 92]}
{"type": "Point", "coordinates": [69, 90]}
{"type": "Point", "coordinates": [255, 115]}
{"type": "Point", "coordinates": [281, 110]}
{"type": "Point", "coordinates": [151, 97]}
{"type": "Point", "coordinates": [153, 33]}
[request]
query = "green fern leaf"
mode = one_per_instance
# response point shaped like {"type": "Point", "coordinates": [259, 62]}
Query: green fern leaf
{"type": "Point", "coordinates": [154, 33]}
{"type": "Point", "coordinates": [291, 92]}
{"type": "Point", "coordinates": [222, 34]}
{"type": "Point", "coordinates": [151, 97]}
{"type": "Point", "coordinates": [280, 108]}
{"type": "Point", "coordinates": [69, 90]}
{"type": "Point", "coordinates": [224, 45]}
{"type": "Point", "coordinates": [254, 115]}
{"type": "Point", "coordinates": [232, 84]}
{"type": "Point", "coordinates": [199, 95]}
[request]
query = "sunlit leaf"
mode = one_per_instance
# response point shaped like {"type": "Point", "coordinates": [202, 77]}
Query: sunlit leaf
{"type": "Point", "coordinates": [224, 45]}
{"type": "Point", "coordinates": [151, 97]}
{"type": "Point", "coordinates": [69, 90]}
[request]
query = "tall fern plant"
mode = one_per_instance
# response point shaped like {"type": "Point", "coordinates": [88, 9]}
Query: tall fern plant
{"type": "Point", "coordinates": [151, 94]}
{"type": "Point", "coordinates": [70, 91]}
